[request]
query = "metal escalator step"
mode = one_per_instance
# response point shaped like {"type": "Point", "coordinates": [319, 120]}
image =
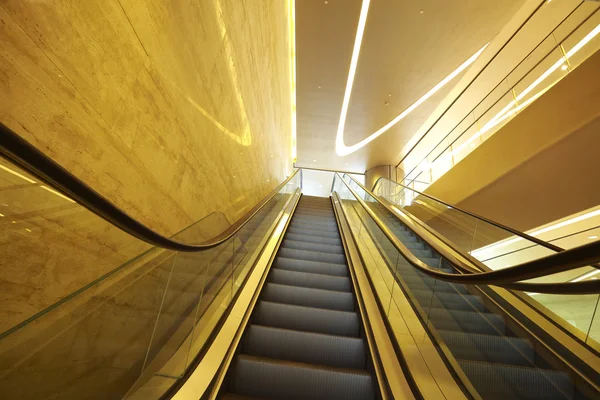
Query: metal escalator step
{"type": "Point", "coordinates": [308, 297]}
{"type": "Point", "coordinates": [314, 214]}
{"type": "Point", "coordinates": [304, 279]}
{"type": "Point", "coordinates": [308, 225]}
{"type": "Point", "coordinates": [501, 382]}
{"type": "Point", "coordinates": [325, 218]}
{"type": "Point", "coordinates": [453, 301]}
{"type": "Point", "coordinates": [285, 380]}
{"type": "Point", "coordinates": [314, 209]}
{"type": "Point", "coordinates": [307, 347]}
{"type": "Point", "coordinates": [313, 239]}
{"type": "Point", "coordinates": [307, 319]}
{"type": "Point", "coordinates": [323, 248]}
{"type": "Point", "coordinates": [312, 256]}
{"type": "Point", "coordinates": [489, 348]}
{"type": "Point", "coordinates": [314, 232]}
{"type": "Point", "coordinates": [468, 321]}
{"type": "Point", "coordinates": [313, 267]}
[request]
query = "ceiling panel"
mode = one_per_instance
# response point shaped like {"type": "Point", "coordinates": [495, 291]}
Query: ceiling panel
{"type": "Point", "coordinates": [408, 47]}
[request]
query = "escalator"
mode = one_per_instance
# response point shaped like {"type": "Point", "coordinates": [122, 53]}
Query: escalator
{"type": "Point", "coordinates": [497, 361]}
{"type": "Point", "coordinates": [305, 338]}
{"type": "Point", "coordinates": [275, 306]}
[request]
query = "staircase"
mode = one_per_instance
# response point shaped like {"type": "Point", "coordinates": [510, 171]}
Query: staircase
{"type": "Point", "coordinates": [304, 339]}
{"type": "Point", "coordinates": [500, 364]}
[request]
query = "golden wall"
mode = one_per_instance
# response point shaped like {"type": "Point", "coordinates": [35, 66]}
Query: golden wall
{"type": "Point", "coordinates": [172, 110]}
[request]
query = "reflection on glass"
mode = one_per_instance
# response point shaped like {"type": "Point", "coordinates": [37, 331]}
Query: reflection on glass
{"type": "Point", "coordinates": [543, 68]}
{"type": "Point", "coordinates": [458, 316]}
{"type": "Point", "coordinates": [101, 320]}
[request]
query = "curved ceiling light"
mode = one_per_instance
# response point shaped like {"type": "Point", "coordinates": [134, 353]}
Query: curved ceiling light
{"type": "Point", "coordinates": [340, 147]}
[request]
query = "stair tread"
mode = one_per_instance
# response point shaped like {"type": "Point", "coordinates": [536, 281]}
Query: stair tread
{"type": "Point", "coordinates": [307, 347]}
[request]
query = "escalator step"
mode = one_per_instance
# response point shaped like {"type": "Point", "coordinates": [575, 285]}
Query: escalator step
{"type": "Point", "coordinates": [313, 348]}
{"type": "Point", "coordinates": [307, 319]}
{"type": "Point", "coordinates": [501, 382]}
{"type": "Point", "coordinates": [314, 232]}
{"type": "Point", "coordinates": [312, 267]}
{"type": "Point", "coordinates": [489, 348]}
{"type": "Point", "coordinates": [313, 239]}
{"type": "Point", "coordinates": [312, 256]}
{"type": "Point", "coordinates": [298, 223]}
{"type": "Point", "coordinates": [470, 321]}
{"type": "Point", "coordinates": [324, 248]}
{"type": "Point", "coordinates": [308, 297]}
{"type": "Point", "coordinates": [314, 222]}
{"type": "Point", "coordinates": [284, 380]}
{"type": "Point", "coordinates": [316, 281]}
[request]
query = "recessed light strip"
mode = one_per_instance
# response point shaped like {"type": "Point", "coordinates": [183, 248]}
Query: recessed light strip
{"type": "Point", "coordinates": [509, 110]}
{"type": "Point", "coordinates": [588, 275]}
{"type": "Point", "coordinates": [495, 246]}
{"type": "Point", "coordinates": [340, 147]}
{"type": "Point", "coordinates": [292, 38]}
{"type": "Point", "coordinates": [15, 173]}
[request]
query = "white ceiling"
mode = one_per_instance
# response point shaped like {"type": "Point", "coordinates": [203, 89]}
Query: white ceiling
{"type": "Point", "coordinates": [408, 47]}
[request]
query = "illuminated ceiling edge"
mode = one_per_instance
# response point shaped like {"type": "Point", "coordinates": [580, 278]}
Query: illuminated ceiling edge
{"type": "Point", "coordinates": [340, 147]}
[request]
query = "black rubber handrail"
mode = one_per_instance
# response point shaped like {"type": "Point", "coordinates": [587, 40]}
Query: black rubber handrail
{"type": "Point", "coordinates": [508, 277]}
{"type": "Point", "coordinates": [26, 156]}
{"type": "Point", "coordinates": [479, 217]}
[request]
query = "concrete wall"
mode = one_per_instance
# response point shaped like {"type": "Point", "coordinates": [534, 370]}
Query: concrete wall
{"type": "Point", "coordinates": [541, 165]}
{"type": "Point", "coordinates": [171, 110]}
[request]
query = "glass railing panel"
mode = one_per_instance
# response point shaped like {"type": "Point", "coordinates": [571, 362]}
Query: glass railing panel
{"type": "Point", "coordinates": [584, 42]}
{"type": "Point", "coordinates": [445, 308]}
{"type": "Point", "coordinates": [492, 245]}
{"type": "Point", "coordinates": [229, 266]}
{"type": "Point", "coordinates": [541, 78]}
{"type": "Point", "coordinates": [96, 340]}
{"type": "Point", "coordinates": [574, 312]}
{"type": "Point", "coordinates": [571, 43]}
{"type": "Point", "coordinates": [108, 321]}
{"type": "Point", "coordinates": [51, 246]}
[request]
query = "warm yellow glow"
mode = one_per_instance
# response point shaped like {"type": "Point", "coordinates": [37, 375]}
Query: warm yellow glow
{"type": "Point", "coordinates": [15, 173]}
{"type": "Point", "coordinates": [292, 49]}
{"type": "Point", "coordinates": [57, 193]}
{"type": "Point", "coordinates": [588, 275]}
{"type": "Point", "coordinates": [485, 252]}
{"type": "Point", "coordinates": [511, 109]}
{"type": "Point", "coordinates": [245, 139]}
{"type": "Point", "coordinates": [281, 225]}
{"type": "Point", "coordinates": [340, 147]}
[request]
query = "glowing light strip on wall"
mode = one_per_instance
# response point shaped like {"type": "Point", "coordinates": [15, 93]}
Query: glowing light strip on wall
{"type": "Point", "coordinates": [510, 109]}
{"type": "Point", "coordinates": [490, 250]}
{"type": "Point", "coordinates": [292, 39]}
{"type": "Point", "coordinates": [340, 147]}
{"type": "Point", "coordinates": [15, 173]}
{"type": "Point", "coordinates": [245, 139]}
